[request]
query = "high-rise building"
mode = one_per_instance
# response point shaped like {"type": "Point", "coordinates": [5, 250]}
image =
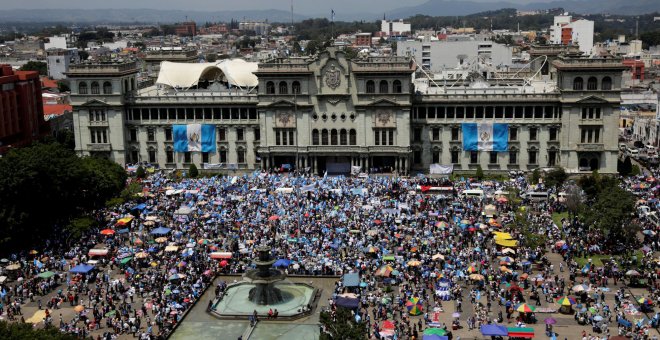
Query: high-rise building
{"type": "Point", "coordinates": [21, 108]}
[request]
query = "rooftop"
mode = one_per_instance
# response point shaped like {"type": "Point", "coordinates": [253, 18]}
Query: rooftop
{"type": "Point", "coordinates": [103, 68]}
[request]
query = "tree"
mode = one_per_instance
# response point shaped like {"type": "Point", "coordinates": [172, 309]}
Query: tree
{"type": "Point", "coordinates": [140, 172]}
{"type": "Point", "coordinates": [38, 66]}
{"type": "Point", "coordinates": [63, 86]}
{"type": "Point", "coordinates": [624, 168]}
{"type": "Point", "coordinates": [556, 177]}
{"type": "Point", "coordinates": [20, 330]}
{"type": "Point", "coordinates": [536, 176]}
{"type": "Point", "coordinates": [573, 200]}
{"type": "Point", "coordinates": [480, 172]}
{"type": "Point", "coordinates": [342, 327]}
{"type": "Point", "coordinates": [193, 172]}
{"type": "Point", "coordinates": [611, 213]}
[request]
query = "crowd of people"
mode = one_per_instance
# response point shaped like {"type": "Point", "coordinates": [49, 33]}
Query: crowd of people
{"type": "Point", "coordinates": [150, 260]}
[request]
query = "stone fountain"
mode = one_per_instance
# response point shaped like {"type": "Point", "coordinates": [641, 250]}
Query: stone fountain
{"type": "Point", "coordinates": [264, 288]}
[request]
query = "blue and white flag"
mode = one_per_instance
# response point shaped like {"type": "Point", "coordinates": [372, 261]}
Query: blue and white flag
{"type": "Point", "coordinates": [194, 137]}
{"type": "Point", "coordinates": [485, 137]}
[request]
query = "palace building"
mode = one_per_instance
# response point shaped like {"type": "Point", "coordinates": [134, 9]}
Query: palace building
{"type": "Point", "coordinates": [330, 113]}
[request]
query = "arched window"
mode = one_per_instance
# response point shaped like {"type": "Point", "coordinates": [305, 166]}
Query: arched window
{"type": "Point", "coordinates": [169, 155]}
{"type": "Point", "coordinates": [343, 137]}
{"type": "Point", "coordinates": [396, 86]}
{"type": "Point", "coordinates": [384, 87]}
{"type": "Point", "coordinates": [95, 88]}
{"type": "Point", "coordinates": [82, 88]}
{"type": "Point", "coordinates": [315, 137]}
{"type": "Point", "coordinates": [295, 87]}
{"type": "Point", "coordinates": [284, 88]}
{"type": "Point", "coordinates": [606, 83]}
{"type": "Point", "coordinates": [152, 154]}
{"type": "Point", "coordinates": [107, 88]}
{"type": "Point", "coordinates": [371, 86]}
{"type": "Point", "coordinates": [352, 137]}
{"type": "Point", "coordinates": [270, 88]}
{"type": "Point", "coordinates": [324, 137]}
{"type": "Point", "coordinates": [592, 83]}
{"type": "Point", "coordinates": [578, 84]}
{"type": "Point", "coordinates": [333, 137]}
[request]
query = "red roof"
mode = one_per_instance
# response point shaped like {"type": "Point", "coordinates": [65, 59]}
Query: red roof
{"type": "Point", "coordinates": [56, 109]}
{"type": "Point", "coordinates": [48, 83]}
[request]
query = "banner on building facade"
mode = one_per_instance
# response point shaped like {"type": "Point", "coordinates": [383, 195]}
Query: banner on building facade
{"type": "Point", "coordinates": [485, 137]}
{"type": "Point", "coordinates": [438, 169]}
{"type": "Point", "coordinates": [194, 137]}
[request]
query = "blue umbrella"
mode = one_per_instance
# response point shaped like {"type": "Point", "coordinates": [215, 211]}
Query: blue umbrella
{"type": "Point", "coordinates": [282, 263]}
{"type": "Point", "coordinates": [122, 231]}
{"type": "Point", "coordinates": [160, 231]}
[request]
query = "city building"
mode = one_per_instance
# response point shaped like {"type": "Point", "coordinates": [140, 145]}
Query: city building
{"type": "Point", "coordinates": [58, 61]}
{"type": "Point", "coordinates": [186, 29]}
{"type": "Point", "coordinates": [362, 40]}
{"type": "Point", "coordinates": [21, 110]}
{"type": "Point", "coordinates": [395, 28]}
{"type": "Point", "coordinates": [567, 31]}
{"type": "Point", "coordinates": [259, 28]}
{"type": "Point", "coordinates": [440, 55]}
{"type": "Point", "coordinates": [329, 113]}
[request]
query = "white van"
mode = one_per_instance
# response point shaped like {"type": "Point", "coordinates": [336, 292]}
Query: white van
{"type": "Point", "coordinates": [536, 195]}
{"type": "Point", "coordinates": [473, 193]}
{"type": "Point", "coordinates": [633, 152]}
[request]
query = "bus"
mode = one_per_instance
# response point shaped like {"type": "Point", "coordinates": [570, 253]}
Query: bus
{"type": "Point", "coordinates": [473, 193]}
{"type": "Point", "coordinates": [537, 196]}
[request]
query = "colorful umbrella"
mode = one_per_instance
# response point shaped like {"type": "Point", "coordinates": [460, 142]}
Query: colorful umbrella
{"type": "Point", "coordinates": [384, 271]}
{"type": "Point", "coordinates": [414, 263]}
{"type": "Point", "coordinates": [79, 308]}
{"type": "Point", "coordinates": [566, 301]}
{"type": "Point", "coordinates": [203, 241]}
{"type": "Point", "coordinates": [161, 240]}
{"type": "Point", "coordinates": [550, 321]}
{"type": "Point", "coordinates": [435, 331]}
{"type": "Point", "coordinates": [471, 269]}
{"type": "Point", "coordinates": [274, 218]}
{"type": "Point", "coordinates": [413, 306]}
{"type": "Point", "coordinates": [525, 308]}
{"type": "Point", "coordinates": [107, 232]}
{"type": "Point", "coordinates": [644, 300]}
{"type": "Point", "coordinates": [507, 259]}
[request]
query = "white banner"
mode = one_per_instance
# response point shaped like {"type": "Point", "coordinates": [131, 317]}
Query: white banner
{"type": "Point", "coordinates": [355, 170]}
{"type": "Point", "coordinates": [437, 169]}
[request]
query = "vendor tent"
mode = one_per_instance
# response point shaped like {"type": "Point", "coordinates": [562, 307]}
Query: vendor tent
{"type": "Point", "coordinates": [82, 269]}
{"type": "Point", "coordinates": [347, 302]}
{"type": "Point", "coordinates": [494, 330]}
{"type": "Point", "coordinates": [351, 279]}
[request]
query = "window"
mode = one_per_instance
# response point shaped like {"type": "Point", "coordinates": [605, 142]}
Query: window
{"type": "Point", "coordinates": [417, 135]}
{"type": "Point", "coordinates": [454, 156]}
{"type": "Point", "coordinates": [592, 83]}
{"type": "Point", "coordinates": [205, 157]}
{"type": "Point", "coordinates": [82, 88]}
{"type": "Point", "coordinates": [107, 88]}
{"type": "Point", "coordinates": [99, 136]}
{"type": "Point", "coordinates": [222, 134]}
{"type": "Point", "coordinates": [513, 133]}
{"type": "Point", "coordinates": [417, 156]}
{"type": "Point", "coordinates": [371, 86]}
{"type": "Point", "coordinates": [590, 135]}
{"type": "Point", "coordinates": [606, 84]}
{"type": "Point", "coordinates": [333, 137]}
{"type": "Point", "coordinates": [277, 138]}
{"type": "Point", "coordinates": [343, 137]}
{"type": "Point", "coordinates": [152, 155]}
{"type": "Point", "coordinates": [324, 137]}
{"type": "Point", "coordinates": [132, 135]}
{"type": "Point", "coordinates": [186, 157]}
{"type": "Point", "coordinates": [454, 133]}
{"type": "Point", "coordinates": [436, 156]}
{"type": "Point", "coordinates": [95, 88]}
{"type": "Point", "coordinates": [474, 157]}
{"type": "Point", "coordinates": [352, 137]}
{"type": "Point", "coordinates": [292, 141]}
{"type": "Point", "coordinates": [391, 137]}
{"type": "Point", "coordinates": [151, 135]}
{"type": "Point", "coordinates": [493, 157]}
{"type": "Point", "coordinates": [295, 87]}
{"type": "Point", "coordinates": [169, 155]}
{"type": "Point", "coordinates": [553, 134]}
{"type": "Point", "coordinates": [513, 156]}
{"type": "Point", "coordinates": [168, 134]}
{"type": "Point", "coordinates": [552, 157]}
{"type": "Point", "coordinates": [376, 137]}
{"type": "Point", "coordinates": [270, 87]}
{"type": "Point", "coordinates": [223, 156]}
{"type": "Point", "coordinates": [532, 133]}
{"type": "Point", "coordinates": [383, 87]}
{"type": "Point", "coordinates": [257, 134]}
{"type": "Point", "coordinates": [435, 134]}
{"type": "Point", "coordinates": [240, 134]}
{"type": "Point", "coordinates": [284, 87]}
{"type": "Point", "coordinates": [396, 86]}
{"type": "Point", "coordinates": [240, 156]}
{"type": "Point", "coordinates": [531, 157]}
{"type": "Point", "coordinates": [315, 137]}
{"type": "Point", "coordinates": [578, 84]}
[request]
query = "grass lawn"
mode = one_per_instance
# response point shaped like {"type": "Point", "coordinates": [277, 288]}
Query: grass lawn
{"type": "Point", "coordinates": [556, 217]}
{"type": "Point", "coordinates": [596, 259]}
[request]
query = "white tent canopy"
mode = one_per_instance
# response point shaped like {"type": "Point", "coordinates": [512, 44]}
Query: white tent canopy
{"type": "Point", "coordinates": [236, 72]}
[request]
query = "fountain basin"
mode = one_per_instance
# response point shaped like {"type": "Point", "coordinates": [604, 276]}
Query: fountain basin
{"type": "Point", "coordinates": [236, 303]}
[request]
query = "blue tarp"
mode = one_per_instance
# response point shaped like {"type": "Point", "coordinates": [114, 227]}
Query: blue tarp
{"type": "Point", "coordinates": [140, 206]}
{"type": "Point", "coordinates": [82, 269]}
{"type": "Point", "coordinates": [347, 302]}
{"type": "Point", "coordinates": [494, 330]}
{"type": "Point", "coordinates": [351, 279]}
{"type": "Point", "coordinates": [160, 231]}
{"type": "Point", "coordinates": [122, 231]}
{"type": "Point", "coordinates": [283, 263]}
{"type": "Point", "coordinates": [624, 322]}
{"type": "Point", "coordinates": [434, 337]}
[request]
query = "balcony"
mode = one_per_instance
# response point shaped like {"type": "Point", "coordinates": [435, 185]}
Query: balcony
{"type": "Point", "coordinates": [99, 147]}
{"type": "Point", "coordinates": [99, 123]}
{"type": "Point", "coordinates": [590, 147]}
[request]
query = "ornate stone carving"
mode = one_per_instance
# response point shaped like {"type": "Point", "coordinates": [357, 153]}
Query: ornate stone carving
{"type": "Point", "coordinates": [285, 119]}
{"type": "Point", "coordinates": [334, 100]}
{"type": "Point", "coordinates": [332, 77]}
{"type": "Point", "coordinates": [384, 119]}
